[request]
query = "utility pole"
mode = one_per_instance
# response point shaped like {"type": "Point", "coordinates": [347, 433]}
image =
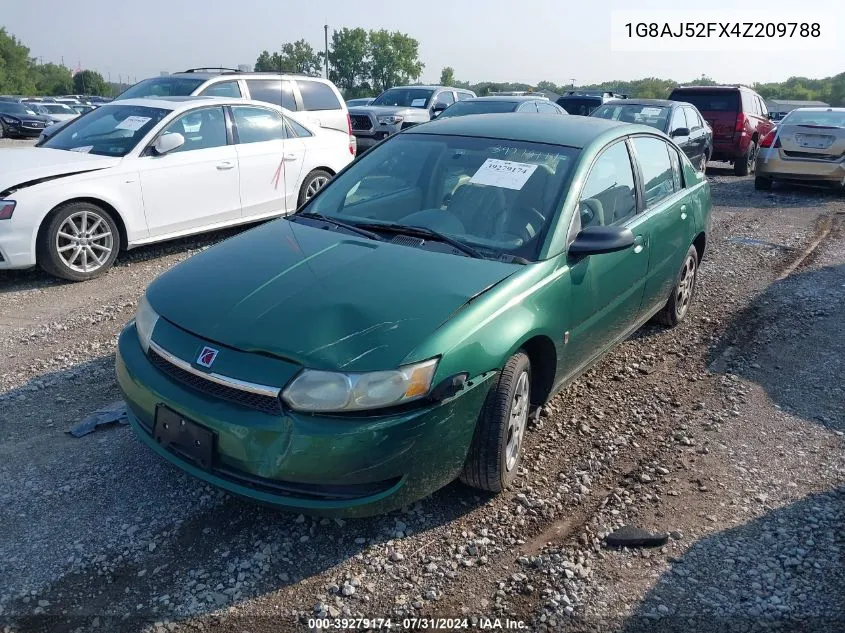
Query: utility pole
{"type": "Point", "coordinates": [326, 32]}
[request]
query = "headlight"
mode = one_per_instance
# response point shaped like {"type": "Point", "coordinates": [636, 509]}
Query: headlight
{"type": "Point", "coordinates": [145, 322]}
{"type": "Point", "coordinates": [314, 390]}
{"type": "Point", "coordinates": [10, 120]}
{"type": "Point", "coordinates": [390, 119]}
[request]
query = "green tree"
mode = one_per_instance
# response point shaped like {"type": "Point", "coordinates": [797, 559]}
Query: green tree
{"type": "Point", "coordinates": [447, 76]}
{"type": "Point", "coordinates": [16, 75]}
{"type": "Point", "coordinates": [268, 62]}
{"type": "Point", "coordinates": [89, 82]}
{"type": "Point", "coordinates": [296, 57]}
{"type": "Point", "coordinates": [349, 60]}
{"type": "Point", "coordinates": [394, 59]}
{"type": "Point", "coordinates": [53, 79]}
{"type": "Point", "coordinates": [550, 86]}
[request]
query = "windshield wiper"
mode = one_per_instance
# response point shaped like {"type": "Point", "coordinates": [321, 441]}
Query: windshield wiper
{"type": "Point", "coordinates": [421, 231]}
{"type": "Point", "coordinates": [349, 227]}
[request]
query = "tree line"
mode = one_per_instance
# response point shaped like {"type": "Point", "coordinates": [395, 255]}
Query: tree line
{"type": "Point", "coordinates": [363, 63]}
{"type": "Point", "coordinates": [21, 74]}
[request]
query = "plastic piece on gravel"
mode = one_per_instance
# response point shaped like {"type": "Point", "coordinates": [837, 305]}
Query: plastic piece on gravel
{"type": "Point", "coordinates": [114, 413]}
{"type": "Point", "coordinates": [630, 536]}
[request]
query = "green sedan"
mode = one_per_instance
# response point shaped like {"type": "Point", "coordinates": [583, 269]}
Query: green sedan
{"type": "Point", "coordinates": [399, 330]}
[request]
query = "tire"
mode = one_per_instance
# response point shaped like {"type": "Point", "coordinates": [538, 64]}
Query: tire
{"type": "Point", "coordinates": [683, 292]}
{"type": "Point", "coordinates": [2, 130]}
{"type": "Point", "coordinates": [745, 164]}
{"type": "Point", "coordinates": [68, 255]}
{"type": "Point", "coordinates": [313, 182]}
{"type": "Point", "coordinates": [702, 165]}
{"type": "Point", "coordinates": [496, 451]}
{"type": "Point", "coordinates": [762, 184]}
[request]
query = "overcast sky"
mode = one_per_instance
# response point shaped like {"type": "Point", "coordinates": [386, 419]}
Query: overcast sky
{"type": "Point", "coordinates": [495, 40]}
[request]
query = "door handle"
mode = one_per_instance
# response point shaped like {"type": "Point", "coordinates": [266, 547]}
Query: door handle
{"type": "Point", "coordinates": [683, 212]}
{"type": "Point", "coordinates": [225, 165]}
{"type": "Point", "coordinates": [639, 244]}
{"type": "Point", "coordinates": [289, 157]}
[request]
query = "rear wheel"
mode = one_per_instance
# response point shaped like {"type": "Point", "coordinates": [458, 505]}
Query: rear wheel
{"type": "Point", "coordinates": [762, 184]}
{"type": "Point", "coordinates": [745, 164]}
{"type": "Point", "coordinates": [79, 242]}
{"type": "Point", "coordinates": [496, 450]}
{"type": "Point", "coordinates": [2, 130]}
{"type": "Point", "coordinates": [313, 182]}
{"type": "Point", "coordinates": [683, 293]}
{"type": "Point", "coordinates": [702, 163]}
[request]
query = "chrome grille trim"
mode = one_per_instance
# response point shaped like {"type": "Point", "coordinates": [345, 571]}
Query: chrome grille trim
{"type": "Point", "coordinates": [226, 381]}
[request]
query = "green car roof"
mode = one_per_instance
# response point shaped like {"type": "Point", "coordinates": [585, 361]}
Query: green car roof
{"type": "Point", "coordinates": [572, 131]}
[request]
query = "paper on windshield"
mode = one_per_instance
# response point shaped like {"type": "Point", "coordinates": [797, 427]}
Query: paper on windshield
{"type": "Point", "coordinates": [650, 111]}
{"type": "Point", "coordinates": [507, 174]}
{"type": "Point", "coordinates": [133, 123]}
{"type": "Point", "coordinates": [84, 149]}
{"type": "Point", "coordinates": [418, 103]}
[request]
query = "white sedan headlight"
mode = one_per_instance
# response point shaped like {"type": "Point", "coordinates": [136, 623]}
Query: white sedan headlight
{"type": "Point", "coordinates": [390, 119]}
{"type": "Point", "coordinates": [315, 390]}
{"type": "Point", "coordinates": [145, 322]}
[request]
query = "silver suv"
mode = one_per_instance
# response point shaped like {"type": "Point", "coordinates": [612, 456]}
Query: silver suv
{"type": "Point", "coordinates": [317, 98]}
{"type": "Point", "coordinates": [398, 108]}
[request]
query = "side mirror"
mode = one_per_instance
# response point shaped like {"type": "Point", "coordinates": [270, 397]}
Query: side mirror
{"type": "Point", "coordinates": [597, 240]}
{"type": "Point", "coordinates": [680, 131]}
{"type": "Point", "coordinates": [168, 142]}
{"type": "Point", "coordinates": [437, 108]}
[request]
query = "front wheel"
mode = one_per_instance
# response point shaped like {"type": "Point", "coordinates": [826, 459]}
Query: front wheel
{"type": "Point", "coordinates": [496, 450]}
{"type": "Point", "coordinates": [683, 292]}
{"type": "Point", "coordinates": [313, 182]}
{"type": "Point", "coordinates": [79, 242]}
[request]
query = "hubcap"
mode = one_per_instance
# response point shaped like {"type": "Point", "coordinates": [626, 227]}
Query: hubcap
{"type": "Point", "coordinates": [518, 420]}
{"type": "Point", "coordinates": [84, 241]}
{"type": "Point", "coordinates": [686, 285]}
{"type": "Point", "coordinates": [314, 186]}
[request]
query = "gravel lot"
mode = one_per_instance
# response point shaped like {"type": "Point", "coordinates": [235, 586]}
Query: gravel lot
{"type": "Point", "coordinates": [726, 432]}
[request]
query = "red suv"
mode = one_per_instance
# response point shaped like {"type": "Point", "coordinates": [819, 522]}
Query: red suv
{"type": "Point", "coordinates": [738, 117]}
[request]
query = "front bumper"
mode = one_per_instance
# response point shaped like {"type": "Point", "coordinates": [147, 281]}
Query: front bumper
{"type": "Point", "coordinates": [323, 465]}
{"type": "Point", "coordinates": [17, 242]}
{"type": "Point", "coordinates": [775, 164]}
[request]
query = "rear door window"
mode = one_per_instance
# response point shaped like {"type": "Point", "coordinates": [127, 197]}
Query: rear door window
{"type": "Point", "coordinates": [270, 91]}
{"type": "Point", "coordinates": [257, 125]}
{"type": "Point", "coordinates": [317, 95]}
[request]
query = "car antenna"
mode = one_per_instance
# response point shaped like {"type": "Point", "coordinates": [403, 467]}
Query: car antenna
{"type": "Point", "coordinates": [280, 170]}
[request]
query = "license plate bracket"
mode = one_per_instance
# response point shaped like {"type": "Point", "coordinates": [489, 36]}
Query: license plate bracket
{"type": "Point", "coordinates": [814, 141]}
{"type": "Point", "coordinates": [191, 441]}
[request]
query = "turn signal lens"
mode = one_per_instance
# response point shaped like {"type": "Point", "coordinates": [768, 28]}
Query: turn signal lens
{"type": "Point", "coordinates": [7, 207]}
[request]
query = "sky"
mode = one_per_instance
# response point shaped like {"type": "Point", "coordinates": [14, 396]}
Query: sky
{"type": "Point", "coordinates": [483, 40]}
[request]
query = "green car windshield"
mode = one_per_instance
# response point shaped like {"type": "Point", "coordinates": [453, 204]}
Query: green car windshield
{"type": "Point", "coordinates": [497, 196]}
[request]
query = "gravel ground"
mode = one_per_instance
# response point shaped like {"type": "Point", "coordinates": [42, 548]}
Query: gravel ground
{"type": "Point", "coordinates": [726, 432]}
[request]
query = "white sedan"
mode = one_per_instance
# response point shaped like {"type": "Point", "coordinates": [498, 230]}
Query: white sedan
{"type": "Point", "coordinates": [145, 170]}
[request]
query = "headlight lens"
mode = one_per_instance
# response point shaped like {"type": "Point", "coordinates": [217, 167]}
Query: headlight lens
{"type": "Point", "coordinates": [390, 119]}
{"type": "Point", "coordinates": [314, 390]}
{"type": "Point", "coordinates": [8, 119]}
{"type": "Point", "coordinates": [145, 322]}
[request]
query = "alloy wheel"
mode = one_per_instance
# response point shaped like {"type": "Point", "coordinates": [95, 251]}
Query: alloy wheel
{"type": "Point", "coordinates": [314, 186]}
{"type": "Point", "coordinates": [686, 286]}
{"type": "Point", "coordinates": [518, 421]}
{"type": "Point", "coordinates": [84, 241]}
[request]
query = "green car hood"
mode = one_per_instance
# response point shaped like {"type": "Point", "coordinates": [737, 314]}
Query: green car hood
{"type": "Point", "coordinates": [323, 299]}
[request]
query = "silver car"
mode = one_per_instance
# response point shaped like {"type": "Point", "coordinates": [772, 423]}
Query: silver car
{"type": "Point", "coordinates": [807, 147]}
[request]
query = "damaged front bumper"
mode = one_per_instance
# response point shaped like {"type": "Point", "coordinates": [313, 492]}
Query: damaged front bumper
{"type": "Point", "coordinates": [318, 464]}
